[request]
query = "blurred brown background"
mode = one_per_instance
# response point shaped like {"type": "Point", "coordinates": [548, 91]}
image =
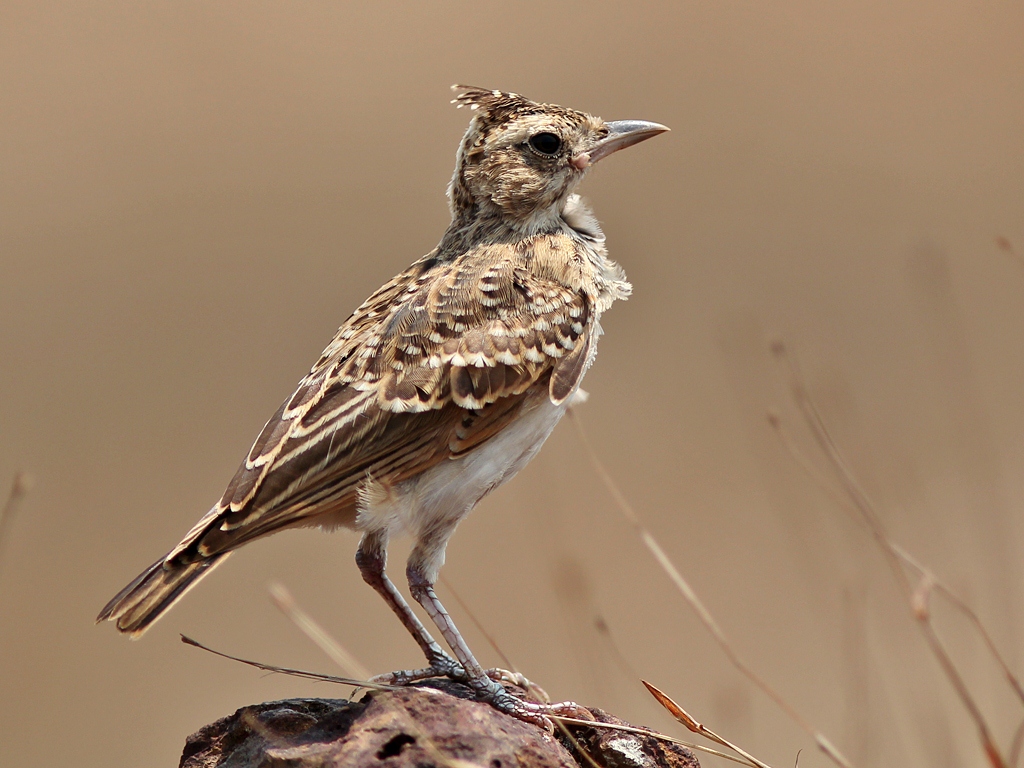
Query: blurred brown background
{"type": "Point", "coordinates": [194, 196]}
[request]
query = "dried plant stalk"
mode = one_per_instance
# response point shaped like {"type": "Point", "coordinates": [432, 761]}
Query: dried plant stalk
{"type": "Point", "coordinates": [684, 717]}
{"type": "Point", "coordinates": [697, 604]}
{"type": "Point", "coordinates": [289, 670]}
{"type": "Point", "coordinates": [479, 625]}
{"type": "Point", "coordinates": [339, 655]}
{"type": "Point", "coordinates": [917, 596]}
{"type": "Point", "coordinates": [840, 496]}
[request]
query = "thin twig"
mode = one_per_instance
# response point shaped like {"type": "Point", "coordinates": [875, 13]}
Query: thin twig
{"type": "Point", "coordinates": [697, 605]}
{"type": "Point", "coordinates": [476, 622]}
{"type": "Point", "coordinates": [338, 654]}
{"type": "Point", "coordinates": [511, 673]}
{"type": "Point", "coordinates": [862, 502]}
{"type": "Point", "coordinates": [290, 671]}
{"type": "Point", "coordinates": [964, 608]}
{"type": "Point", "coordinates": [841, 497]}
{"type": "Point", "coordinates": [652, 734]}
{"type": "Point", "coordinates": [575, 743]}
{"type": "Point", "coordinates": [686, 719]}
{"type": "Point", "coordinates": [604, 631]}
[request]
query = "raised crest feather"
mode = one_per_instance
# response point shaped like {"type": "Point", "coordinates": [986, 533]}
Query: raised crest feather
{"type": "Point", "coordinates": [473, 97]}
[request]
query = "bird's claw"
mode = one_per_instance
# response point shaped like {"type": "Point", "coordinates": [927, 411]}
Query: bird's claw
{"type": "Point", "coordinates": [539, 714]}
{"type": "Point", "coordinates": [441, 665]}
{"type": "Point", "coordinates": [518, 679]}
{"type": "Point", "coordinates": [489, 689]}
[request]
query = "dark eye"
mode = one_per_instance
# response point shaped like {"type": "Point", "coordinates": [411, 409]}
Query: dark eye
{"type": "Point", "coordinates": [546, 143]}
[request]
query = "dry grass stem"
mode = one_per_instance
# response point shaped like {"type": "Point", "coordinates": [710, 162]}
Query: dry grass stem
{"type": "Point", "coordinates": [476, 622]}
{"type": "Point", "coordinates": [338, 654]}
{"type": "Point", "coordinates": [922, 572]}
{"type": "Point", "coordinates": [561, 726]}
{"type": "Point", "coordinates": [652, 734]}
{"type": "Point", "coordinates": [697, 605]}
{"type": "Point", "coordinates": [959, 603]}
{"type": "Point", "coordinates": [605, 633]}
{"type": "Point", "coordinates": [511, 673]}
{"type": "Point", "coordinates": [289, 670]}
{"type": "Point", "coordinates": [684, 717]}
{"type": "Point", "coordinates": [20, 487]}
{"type": "Point", "coordinates": [917, 594]}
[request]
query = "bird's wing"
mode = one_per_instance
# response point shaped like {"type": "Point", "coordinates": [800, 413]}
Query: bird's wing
{"type": "Point", "coordinates": [429, 367]}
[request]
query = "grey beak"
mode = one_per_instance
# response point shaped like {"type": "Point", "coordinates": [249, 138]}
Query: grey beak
{"type": "Point", "coordinates": [622, 134]}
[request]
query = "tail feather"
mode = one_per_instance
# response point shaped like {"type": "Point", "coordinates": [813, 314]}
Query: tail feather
{"type": "Point", "coordinates": [153, 593]}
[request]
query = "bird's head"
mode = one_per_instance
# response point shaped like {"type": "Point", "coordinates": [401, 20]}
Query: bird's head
{"type": "Point", "coordinates": [519, 160]}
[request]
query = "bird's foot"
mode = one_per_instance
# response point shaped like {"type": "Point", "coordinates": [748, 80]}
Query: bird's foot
{"type": "Point", "coordinates": [497, 696]}
{"type": "Point", "coordinates": [518, 679]}
{"type": "Point", "coordinates": [489, 689]}
{"type": "Point", "coordinates": [441, 665]}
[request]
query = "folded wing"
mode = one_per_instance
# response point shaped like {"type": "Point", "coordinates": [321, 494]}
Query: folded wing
{"type": "Point", "coordinates": [428, 368]}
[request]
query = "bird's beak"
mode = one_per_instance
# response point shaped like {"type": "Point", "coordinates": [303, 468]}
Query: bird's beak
{"type": "Point", "coordinates": [621, 134]}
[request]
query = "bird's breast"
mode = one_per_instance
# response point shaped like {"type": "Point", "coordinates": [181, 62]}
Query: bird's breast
{"type": "Point", "coordinates": [448, 491]}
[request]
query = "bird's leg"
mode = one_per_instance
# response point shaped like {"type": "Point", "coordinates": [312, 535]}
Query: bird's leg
{"type": "Point", "coordinates": [371, 557]}
{"type": "Point", "coordinates": [422, 574]}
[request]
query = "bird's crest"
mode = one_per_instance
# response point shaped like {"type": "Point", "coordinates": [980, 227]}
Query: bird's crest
{"type": "Point", "coordinates": [493, 107]}
{"type": "Point", "coordinates": [482, 98]}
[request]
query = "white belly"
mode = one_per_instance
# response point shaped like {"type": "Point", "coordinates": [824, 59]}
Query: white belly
{"type": "Point", "coordinates": [430, 506]}
{"type": "Point", "coordinates": [454, 487]}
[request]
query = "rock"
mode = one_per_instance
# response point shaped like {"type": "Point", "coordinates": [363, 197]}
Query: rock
{"type": "Point", "coordinates": [434, 723]}
{"type": "Point", "coordinates": [617, 749]}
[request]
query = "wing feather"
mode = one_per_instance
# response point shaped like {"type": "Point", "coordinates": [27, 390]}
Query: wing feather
{"type": "Point", "coordinates": [428, 368]}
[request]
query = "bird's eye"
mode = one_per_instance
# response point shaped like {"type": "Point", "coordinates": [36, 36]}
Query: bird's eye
{"type": "Point", "coordinates": [546, 143]}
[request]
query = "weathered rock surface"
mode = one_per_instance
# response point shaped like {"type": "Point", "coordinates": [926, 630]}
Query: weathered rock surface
{"type": "Point", "coordinates": [435, 723]}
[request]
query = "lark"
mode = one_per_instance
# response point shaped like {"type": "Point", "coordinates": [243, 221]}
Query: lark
{"type": "Point", "coordinates": [440, 387]}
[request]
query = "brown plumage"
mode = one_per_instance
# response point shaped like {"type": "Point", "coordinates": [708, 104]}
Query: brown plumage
{"type": "Point", "coordinates": [442, 385]}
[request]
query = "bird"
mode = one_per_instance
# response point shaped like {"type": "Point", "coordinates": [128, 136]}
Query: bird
{"type": "Point", "coordinates": [440, 387]}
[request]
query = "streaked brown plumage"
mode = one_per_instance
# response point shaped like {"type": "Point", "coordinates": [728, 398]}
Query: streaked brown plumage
{"type": "Point", "coordinates": [442, 385]}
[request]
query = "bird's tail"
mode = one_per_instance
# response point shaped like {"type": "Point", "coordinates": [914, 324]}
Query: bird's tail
{"type": "Point", "coordinates": [154, 591]}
